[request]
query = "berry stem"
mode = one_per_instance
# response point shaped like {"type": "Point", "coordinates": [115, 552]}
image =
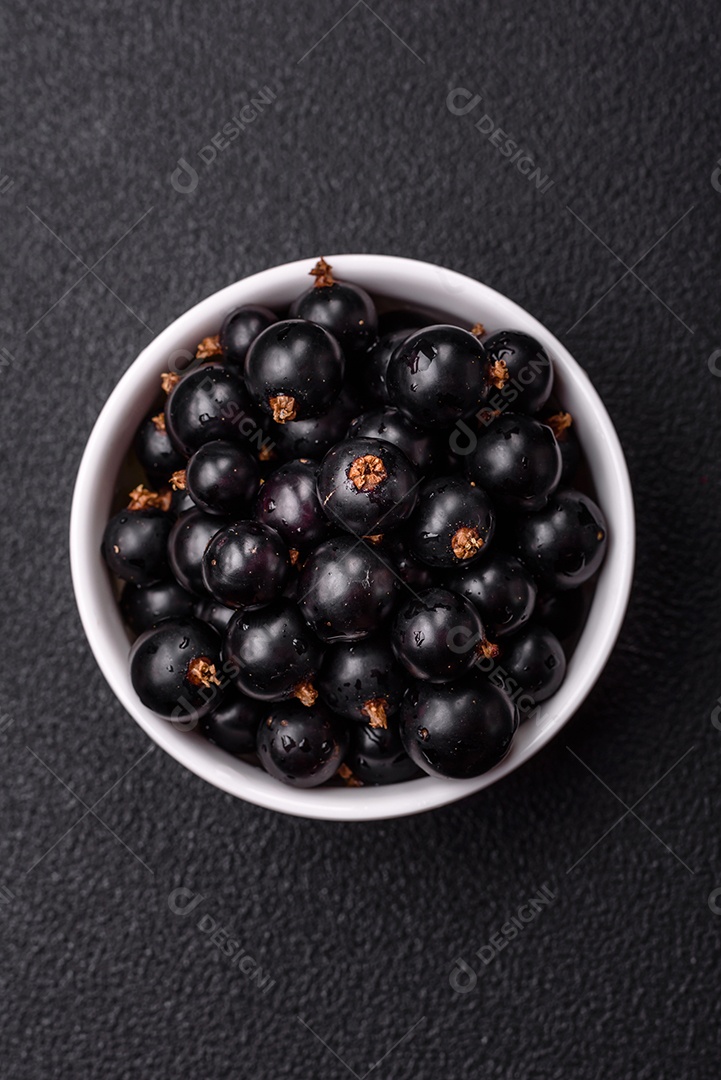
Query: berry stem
{"type": "Point", "coordinates": [168, 380]}
{"type": "Point", "coordinates": [283, 407]}
{"type": "Point", "coordinates": [499, 374]}
{"type": "Point", "coordinates": [367, 472]}
{"type": "Point", "coordinates": [202, 672]}
{"type": "Point", "coordinates": [559, 423]}
{"type": "Point", "coordinates": [323, 274]}
{"type": "Point", "coordinates": [375, 710]}
{"type": "Point", "coordinates": [306, 693]}
{"type": "Point", "coordinates": [142, 498]}
{"type": "Point", "coordinates": [466, 542]}
{"type": "Point", "coordinates": [209, 346]}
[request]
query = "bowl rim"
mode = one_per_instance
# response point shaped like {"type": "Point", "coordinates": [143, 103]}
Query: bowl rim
{"type": "Point", "coordinates": [91, 581]}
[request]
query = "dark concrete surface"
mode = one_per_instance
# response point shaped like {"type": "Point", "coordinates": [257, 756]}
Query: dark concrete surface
{"type": "Point", "coordinates": [367, 936]}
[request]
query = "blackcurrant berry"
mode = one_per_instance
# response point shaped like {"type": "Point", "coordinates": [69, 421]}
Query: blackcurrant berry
{"type": "Point", "coordinates": [564, 544]}
{"type": "Point", "coordinates": [143, 606]}
{"type": "Point", "coordinates": [288, 502]}
{"type": "Point", "coordinates": [233, 724]}
{"type": "Point", "coordinates": [366, 486]}
{"type": "Point", "coordinates": [460, 730]}
{"type": "Point", "coordinates": [438, 375]}
{"type": "Point", "coordinates": [181, 501]}
{"type": "Point", "coordinates": [517, 461]}
{"type": "Point", "coordinates": [362, 681]}
{"type": "Point", "coordinates": [294, 370]}
{"type": "Point", "coordinates": [240, 329]}
{"type": "Point", "coordinates": [562, 612]}
{"type": "Point", "coordinates": [245, 565]}
{"type": "Point", "coordinates": [175, 669]}
{"type": "Point", "coordinates": [502, 590]}
{"type": "Point", "coordinates": [155, 452]}
{"type": "Point", "coordinates": [438, 635]}
{"type": "Point", "coordinates": [376, 755]}
{"type": "Point", "coordinates": [188, 539]}
{"type": "Point", "coordinates": [313, 438]}
{"type": "Point", "coordinates": [534, 661]}
{"type": "Point", "coordinates": [274, 651]}
{"type": "Point", "coordinates": [521, 371]}
{"type": "Point", "coordinates": [212, 611]}
{"type": "Point", "coordinates": [208, 403]}
{"type": "Point", "coordinates": [561, 424]}
{"type": "Point", "coordinates": [414, 573]}
{"type": "Point", "coordinates": [222, 477]}
{"type": "Point", "coordinates": [370, 374]}
{"type": "Point", "coordinates": [391, 426]}
{"type": "Point", "coordinates": [453, 523]}
{"type": "Point", "coordinates": [345, 310]}
{"type": "Point", "coordinates": [135, 545]}
{"type": "Point", "coordinates": [405, 319]}
{"type": "Point", "coordinates": [346, 589]}
{"type": "Point", "coordinates": [302, 746]}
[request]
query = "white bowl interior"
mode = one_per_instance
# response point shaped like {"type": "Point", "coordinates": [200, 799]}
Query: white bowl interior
{"type": "Point", "coordinates": [410, 282]}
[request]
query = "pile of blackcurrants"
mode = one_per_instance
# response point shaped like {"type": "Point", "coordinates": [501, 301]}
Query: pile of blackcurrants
{"type": "Point", "coordinates": [359, 550]}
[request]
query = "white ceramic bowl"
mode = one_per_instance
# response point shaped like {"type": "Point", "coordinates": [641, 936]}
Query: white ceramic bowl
{"type": "Point", "coordinates": [410, 282]}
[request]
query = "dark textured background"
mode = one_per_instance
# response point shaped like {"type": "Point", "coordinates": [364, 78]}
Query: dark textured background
{"type": "Point", "coordinates": [360, 927]}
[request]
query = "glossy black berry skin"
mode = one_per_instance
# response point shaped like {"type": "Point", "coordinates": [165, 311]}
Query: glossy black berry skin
{"type": "Point", "coordinates": [563, 613]}
{"type": "Point", "coordinates": [534, 661]}
{"type": "Point", "coordinates": [208, 403]}
{"type": "Point", "coordinates": [564, 544]}
{"type": "Point", "coordinates": [294, 370]}
{"type": "Point", "coordinates": [460, 730]}
{"type": "Point", "coordinates": [563, 427]}
{"type": "Point", "coordinates": [370, 374]}
{"type": "Point", "coordinates": [313, 438]}
{"type": "Point", "coordinates": [212, 611]}
{"type": "Point", "coordinates": [521, 371]}
{"type": "Point", "coordinates": [517, 461]}
{"type": "Point", "coordinates": [180, 502]}
{"type": "Point", "coordinates": [366, 486]}
{"type": "Point", "coordinates": [438, 375]}
{"type": "Point", "coordinates": [240, 329]}
{"type": "Point", "coordinates": [570, 449]}
{"type": "Point", "coordinates": [135, 545]}
{"type": "Point", "coordinates": [143, 606]}
{"type": "Point", "coordinates": [346, 589]}
{"type": "Point", "coordinates": [222, 478]}
{"type": "Point", "coordinates": [246, 564]}
{"type": "Point", "coordinates": [155, 452]}
{"type": "Point", "coordinates": [188, 539]}
{"type": "Point", "coordinates": [501, 589]}
{"type": "Point", "coordinates": [173, 667]}
{"type": "Point", "coordinates": [376, 755]}
{"type": "Point", "coordinates": [233, 724]}
{"type": "Point", "coordinates": [437, 635]}
{"type": "Point", "coordinates": [288, 503]}
{"type": "Point", "coordinates": [453, 523]}
{"type": "Point", "coordinates": [301, 746]}
{"type": "Point", "coordinates": [362, 681]}
{"type": "Point", "coordinates": [404, 319]}
{"type": "Point", "coordinates": [345, 310]}
{"type": "Point", "coordinates": [392, 426]}
{"type": "Point", "coordinates": [273, 650]}
{"type": "Point", "coordinates": [415, 574]}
